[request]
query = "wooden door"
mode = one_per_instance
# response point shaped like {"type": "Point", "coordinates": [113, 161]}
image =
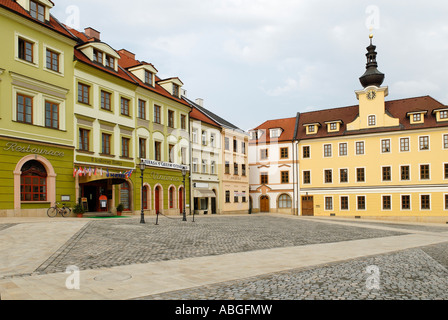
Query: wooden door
{"type": "Point", "coordinates": [264, 204]}
{"type": "Point", "coordinates": [307, 206]}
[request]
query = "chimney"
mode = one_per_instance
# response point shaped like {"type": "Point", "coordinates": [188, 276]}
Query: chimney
{"type": "Point", "coordinates": [200, 102]}
{"type": "Point", "coordinates": [92, 33]}
{"type": "Point", "coordinates": [127, 53]}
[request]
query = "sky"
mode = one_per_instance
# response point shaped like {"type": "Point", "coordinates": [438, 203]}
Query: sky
{"type": "Point", "coordinates": [258, 60]}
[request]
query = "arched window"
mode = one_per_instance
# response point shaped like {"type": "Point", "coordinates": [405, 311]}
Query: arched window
{"type": "Point", "coordinates": [33, 182]}
{"type": "Point", "coordinates": [284, 201]}
{"type": "Point", "coordinates": [171, 197]}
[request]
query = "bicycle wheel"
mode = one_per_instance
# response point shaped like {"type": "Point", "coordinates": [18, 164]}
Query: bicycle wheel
{"type": "Point", "coordinates": [52, 212]}
{"type": "Point", "coordinates": [66, 212]}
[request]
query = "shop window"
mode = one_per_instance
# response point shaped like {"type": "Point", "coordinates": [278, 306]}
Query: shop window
{"type": "Point", "coordinates": [171, 197]}
{"type": "Point", "coordinates": [33, 182]}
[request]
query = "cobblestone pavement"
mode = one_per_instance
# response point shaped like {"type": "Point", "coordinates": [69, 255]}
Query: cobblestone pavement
{"type": "Point", "coordinates": [407, 275]}
{"type": "Point", "coordinates": [110, 243]}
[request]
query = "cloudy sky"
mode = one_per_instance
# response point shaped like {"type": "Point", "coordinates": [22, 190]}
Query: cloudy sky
{"type": "Point", "coordinates": [255, 60]}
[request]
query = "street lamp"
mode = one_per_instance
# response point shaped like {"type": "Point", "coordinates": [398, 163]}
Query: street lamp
{"type": "Point", "coordinates": [142, 169]}
{"type": "Point", "coordinates": [184, 173]}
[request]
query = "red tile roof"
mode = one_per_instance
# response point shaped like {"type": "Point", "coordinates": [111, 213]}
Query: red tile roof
{"type": "Point", "coordinates": [286, 124]}
{"type": "Point", "coordinates": [396, 109]}
{"type": "Point", "coordinates": [53, 24]}
{"type": "Point", "coordinates": [198, 115]}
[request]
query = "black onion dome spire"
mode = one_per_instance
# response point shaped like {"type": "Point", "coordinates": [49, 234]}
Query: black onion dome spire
{"type": "Point", "coordinates": [372, 77]}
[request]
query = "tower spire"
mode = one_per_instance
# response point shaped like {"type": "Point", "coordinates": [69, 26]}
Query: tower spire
{"type": "Point", "coordinates": [372, 77]}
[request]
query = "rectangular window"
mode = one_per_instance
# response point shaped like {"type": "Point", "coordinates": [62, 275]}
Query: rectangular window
{"type": "Point", "coordinates": [417, 117]}
{"type": "Point", "coordinates": [26, 50]}
{"type": "Point", "coordinates": [171, 118]}
{"type": "Point", "coordinates": [204, 138]}
{"type": "Point", "coordinates": [385, 146]}
{"type": "Point", "coordinates": [106, 99]}
{"type": "Point", "coordinates": [284, 153]}
{"type": "Point", "coordinates": [175, 90]}
{"type": "Point", "coordinates": [445, 169]}
{"type": "Point", "coordinates": [424, 143]}
{"type": "Point", "coordinates": [213, 140]}
{"type": "Point", "coordinates": [263, 154]}
{"type": "Point", "coordinates": [264, 178]}
{"type": "Point", "coordinates": [328, 203]}
{"type": "Point", "coordinates": [445, 141]}
{"type": "Point", "coordinates": [343, 149]}
{"type": "Point", "coordinates": [84, 139]}
{"type": "Point", "coordinates": [227, 144]}
{"type": "Point", "coordinates": [97, 56]}
{"type": "Point", "coordinates": [141, 109]}
{"type": "Point", "coordinates": [333, 126]}
{"type": "Point", "coordinates": [148, 77]}
{"type": "Point", "coordinates": [227, 167]}
{"type": "Point", "coordinates": [387, 174]}
{"type": "Point", "coordinates": [387, 203]}
{"type": "Point", "coordinates": [24, 109]}
{"type": "Point", "coordinates": [424, 172]}
{"type": "Point", "coordinates": [110, 61]}
{"type": "Point", "coordinates": [406, 202]}
{"type": "Point", "coordinates": [125, 147]}
{"type": "Point", "coordinates": [213, 167]}
{"type": "Point", "coordinates": [425, 202]}
{"type": "Point", "coordinates": [446, 202]}
{"type": "Point", "coordinates": [235, 168]}
{"type": "Point", "coordinates": [361, 202]}
{"type": "Point", "coordinates": [443, 114]}
{"type": "Point", "coordinates": [344, 203]}
{"type": "Point", "coordinates": [194, 135]}
{"type": "Point", "coordinates": [204, 166]}
{"type": "Point", "coordinates": [227, 196]}
{"type": "Point", "coordinates": [360, 175]}
{"type": "Point", "coordinates": [83, 93]}
{"type": "Point", "coordinates": [235, 197]}
{"type": "Point", "coordinates": [142, 148]}
{"type": "Point", "coordinates": [405, 173]}
{"type": "Point", "coordinates": [195, 165]}
{"type": "Point", "coordinates": [243, 170]}
{"type": "Point", "coordinates": [183, 155]}
{"type": "Point", "coordinates": [52, 60]}
{"type": "Point", "coordinates": [285, 176]}
{"type": "Point", "coordinates": [105, 139]}
{"type": "Point", "coordinates": [343, 175]}
{"type": "Point", "coordinates": [183, 122]}
{"type": "Point", "coordinates": [327, 150]}
{"type": "Point", "coordinates": [306, 152]}
{"type": "Point", "coordinates": [51, 115]}
{"type": "Point", "coordinates": [235, 145]}
{"type": "Point", "coordinates": [158, 151]}
{"type": "Point", "coordinates": [328, 176]}
{"type": "Point", "coordinates": [171, 153]}
{"type": "Point", "coordinates": [243, 147]}
{"type": "Point", "coordinates": [372, 120]}
{"type": "Point", "coordinates": [306, 177]}
{"type": "Point", "coordinates": [157, 114]}
{"type": "Point", "coordinates": [360, 147]}
{"type": "Point", "coordinates": [404, 144]}
{"type": "Point", "coordinates": [37, 11]}
{"type": "Point", "coordinates": [125, 106]}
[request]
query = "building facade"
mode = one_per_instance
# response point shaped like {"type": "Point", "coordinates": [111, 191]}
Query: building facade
{"type": "Point", "coordinates": [36, 130]}
{"type": "Point", "coordinates": [206, 152]}
{"type": "Point", "coordinates": [272, 166]}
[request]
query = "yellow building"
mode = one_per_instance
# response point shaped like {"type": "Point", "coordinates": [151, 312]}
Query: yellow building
{"type": "Point", "coordinates": [378, 158]}
{"type": "Point", "coordinates": [36, 126]}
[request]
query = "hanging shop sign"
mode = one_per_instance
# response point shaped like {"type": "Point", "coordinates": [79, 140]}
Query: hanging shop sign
{"type": "Point", "coordinates": [166, 165]}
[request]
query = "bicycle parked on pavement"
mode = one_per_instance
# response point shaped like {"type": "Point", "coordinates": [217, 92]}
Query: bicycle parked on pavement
{"type": "Point", "coordinates": [53, 211]}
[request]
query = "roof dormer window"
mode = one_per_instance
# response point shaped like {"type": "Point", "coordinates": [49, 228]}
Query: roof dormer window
{"type": "Point", "coordinates": [37, 11]}
{"type": "Point", "coordinates": [441, 114]}
{"type": "Point", "coordinates": [97, 56]}
{"type": "Point", "coordinates": [148, 77]}
{"type": "Point", "coordinates": [417, 117]}
{"type": "Point", "coordinates": [311, 128]}
{"type": "Point", "coordinates": [175, 90]}
{"type": "Point", "coordinates": [275, 133]}
{"type": "Point", "coordinates": [110, 62]}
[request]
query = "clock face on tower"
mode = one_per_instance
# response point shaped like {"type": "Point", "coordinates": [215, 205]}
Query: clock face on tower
{"type": "Point", "coordinates": [371, 94]}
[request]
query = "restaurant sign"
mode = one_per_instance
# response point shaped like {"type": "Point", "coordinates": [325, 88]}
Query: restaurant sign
{"type": "Point", "coordinates": [166, 165]}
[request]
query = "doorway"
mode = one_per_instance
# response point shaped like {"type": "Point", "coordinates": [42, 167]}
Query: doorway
{"type": "Point", "coordinates": [157, 199]}
{"type": "Point", "coordinates": [213, 203]}
{"type": "Point", "coordinates": [308, 206]}
{"type": "Point", "coordinates": [264, 204]}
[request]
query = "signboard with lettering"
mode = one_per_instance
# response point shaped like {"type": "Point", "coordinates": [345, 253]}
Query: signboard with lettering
{"type": "Point", "coordinates": [167, 165]}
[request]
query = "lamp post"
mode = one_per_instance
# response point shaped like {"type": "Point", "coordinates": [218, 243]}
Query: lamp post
{"type": "Point", "coordinates": [142, 169]}
{"type": "Point", "coordinates": [184, 173]}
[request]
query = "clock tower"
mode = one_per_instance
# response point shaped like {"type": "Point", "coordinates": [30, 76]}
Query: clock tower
{"type": "Point", "coordinates": [372, 110]}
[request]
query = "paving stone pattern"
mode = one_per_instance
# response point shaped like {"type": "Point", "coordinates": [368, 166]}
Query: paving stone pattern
{"type": "Point", "coordinates": [6, 226]}
{"type": "Point", "coordinates": [406, 275]}
{"type": "Point", "coordinates": [110, 243]}
{"type": "Point", "coordinates": [417, 227]}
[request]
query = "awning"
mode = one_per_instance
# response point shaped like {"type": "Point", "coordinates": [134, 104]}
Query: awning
{"type": "Point", "coordinates": [203, 193]}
